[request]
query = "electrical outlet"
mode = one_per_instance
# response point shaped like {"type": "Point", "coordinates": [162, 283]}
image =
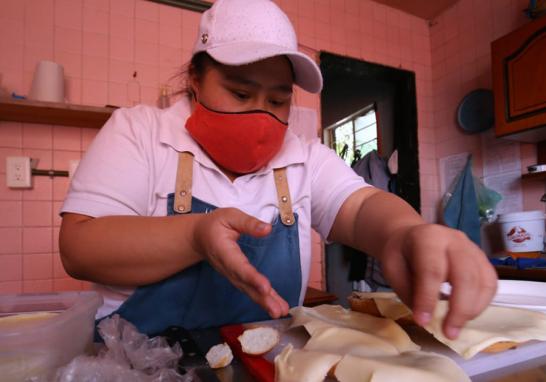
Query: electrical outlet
{"type": "Point", "coordinates": [18, 172]}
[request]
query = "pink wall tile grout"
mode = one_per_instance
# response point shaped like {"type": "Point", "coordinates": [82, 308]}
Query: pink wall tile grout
{"type": "Point", "coordinates": [101, 43]}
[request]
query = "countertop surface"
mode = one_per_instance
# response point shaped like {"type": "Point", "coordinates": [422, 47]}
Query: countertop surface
{"type": "Point", "coordinates": [235, 372]}
{"type": "Point", "coordinates": [527, 363]}
{"type": "Point", "coordinates": [532, 370]}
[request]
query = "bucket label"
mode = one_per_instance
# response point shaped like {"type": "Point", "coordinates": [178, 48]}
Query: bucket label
{"type": "Point", "coordinates": [518, 235]}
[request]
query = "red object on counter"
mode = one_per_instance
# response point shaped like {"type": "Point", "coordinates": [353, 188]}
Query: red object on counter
{"type": "Point", "coordinates": [260, 368]}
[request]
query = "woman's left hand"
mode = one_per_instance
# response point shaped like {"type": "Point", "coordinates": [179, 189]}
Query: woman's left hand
{"type": "Point", "coordinates": [417, 259]}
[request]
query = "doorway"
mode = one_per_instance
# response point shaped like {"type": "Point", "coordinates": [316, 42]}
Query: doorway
{"type": "Point", "coordinates": [351, 87]}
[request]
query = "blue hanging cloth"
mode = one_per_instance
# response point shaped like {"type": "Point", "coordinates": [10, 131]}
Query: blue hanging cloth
{"type": "Point", "coordinates": [461, 210]}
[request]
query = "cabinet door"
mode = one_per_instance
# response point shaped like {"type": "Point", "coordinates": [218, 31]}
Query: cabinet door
{"type": "Point", "coordinates": [519, 82]}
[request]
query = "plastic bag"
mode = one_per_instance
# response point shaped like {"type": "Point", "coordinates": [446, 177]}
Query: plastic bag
{"type": "Point", "coordinates": [128, 356]}
{"type": "Point", "coordinates": [487, 200]}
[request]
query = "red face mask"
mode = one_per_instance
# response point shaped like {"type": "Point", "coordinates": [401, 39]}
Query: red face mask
{"type": "Point", "coordinates": [239, 142]}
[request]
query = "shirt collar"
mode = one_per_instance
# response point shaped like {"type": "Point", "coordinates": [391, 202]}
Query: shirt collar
{"type": "Point", "coordinates": [173, 133]}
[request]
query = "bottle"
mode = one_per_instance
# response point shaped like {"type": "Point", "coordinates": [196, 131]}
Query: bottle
{"type": "Point", "coordinates": [163, 101]}
{"type": "Point", "coordinates": [133, 90]}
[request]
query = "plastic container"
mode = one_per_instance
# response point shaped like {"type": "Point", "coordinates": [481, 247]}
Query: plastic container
{"type": "Point", "coordinates": [48, 82]}
{"type": "Point", "coordinates": [523, 233]}
{"type": "Point", "coordinates": [41, 332]}
{"type": "Point", "coordinates": [163, 101]}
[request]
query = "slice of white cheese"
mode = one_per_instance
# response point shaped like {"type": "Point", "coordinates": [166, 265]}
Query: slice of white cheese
{"type": "Point", "coordinates": [16, 320]}
{"type": "Point", "coordinates": [494, 324]}
{"type": "Point", "coordinates": [415, 366]}
{"type": "Point", "coordinates": [344, 341]}
{"type": "Point", "coordinates": [322, 316]}
{"type": "Point", "coordinates": [303, 366]}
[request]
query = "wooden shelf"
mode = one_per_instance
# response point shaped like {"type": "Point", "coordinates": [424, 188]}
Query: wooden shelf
{"type": "Point", "coordinates": [511, 273]}
{"type": "Point", "coordinates": [52, 113]}
{"type": "Point", "coordinates": [535, 176]}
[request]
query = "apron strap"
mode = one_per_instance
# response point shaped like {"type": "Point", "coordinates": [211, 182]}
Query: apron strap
{"type": "Point", "coordinates": [184, 178]}
{"type": "Point", "coordinates": [283, 196]}
{"type": "Point", "coordinates": [184, 174]}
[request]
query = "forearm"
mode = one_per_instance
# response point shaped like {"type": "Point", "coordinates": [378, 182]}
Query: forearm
{"type": "Point", "coordinates": [370, 217]}
{"type": "Point", "coordinates": [127, 250]}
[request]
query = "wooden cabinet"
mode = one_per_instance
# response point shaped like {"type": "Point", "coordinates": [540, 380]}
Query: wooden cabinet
{"type": "Point", "coordinates": [519, 83]}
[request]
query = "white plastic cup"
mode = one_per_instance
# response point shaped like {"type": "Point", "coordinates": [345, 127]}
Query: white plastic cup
{"type": "Point", "coordinates": [523, 233]}
{"type": "Point", "coordinates": [48, 82]}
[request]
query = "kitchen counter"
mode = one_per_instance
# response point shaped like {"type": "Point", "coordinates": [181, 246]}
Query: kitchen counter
{"type": "Point", "coordinates": [533, 370]}
{"type": "Point", "coordinates": [530, 371]}
{"type": "Point", "coordinates": [235, 372]}
{"type": "Point", "coordinates": [512, 273]}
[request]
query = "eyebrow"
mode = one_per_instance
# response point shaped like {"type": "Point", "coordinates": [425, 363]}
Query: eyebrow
{"type": "Point", "coordinates": [285, 88]}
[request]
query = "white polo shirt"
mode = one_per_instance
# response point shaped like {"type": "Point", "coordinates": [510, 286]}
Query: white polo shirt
{"type": "Point", "coordinates": [130, 169]}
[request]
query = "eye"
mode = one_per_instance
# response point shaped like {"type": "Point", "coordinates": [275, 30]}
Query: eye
{"type": "Point", "coordinates": [240, 95]}
{"type": "Point", "coordinates": [277, 102]}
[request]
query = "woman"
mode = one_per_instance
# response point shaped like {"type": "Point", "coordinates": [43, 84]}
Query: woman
{"type": "Point", "coordinates": [200, 215]}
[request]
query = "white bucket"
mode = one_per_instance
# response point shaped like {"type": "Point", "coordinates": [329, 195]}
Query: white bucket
{"type": "Point", "coordinates": [523, 231]}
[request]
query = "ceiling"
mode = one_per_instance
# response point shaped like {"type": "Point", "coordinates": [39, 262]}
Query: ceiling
{"type": "Point", "coordinates": [425, 9]}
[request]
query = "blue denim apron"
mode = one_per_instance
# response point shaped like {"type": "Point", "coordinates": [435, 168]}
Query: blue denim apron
{"type": "Point", "coordinates": [199, 296]}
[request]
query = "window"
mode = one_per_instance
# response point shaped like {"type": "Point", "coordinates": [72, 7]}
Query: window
{"type": "Point", "coordinates": [354, 136]}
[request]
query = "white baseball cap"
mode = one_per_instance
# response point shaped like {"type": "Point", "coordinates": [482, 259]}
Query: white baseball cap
{"type": "Point", "coordinates": [238, 32]}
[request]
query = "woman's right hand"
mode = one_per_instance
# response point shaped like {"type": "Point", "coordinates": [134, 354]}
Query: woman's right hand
{"type": "Point", "coordinates": [215, 238]}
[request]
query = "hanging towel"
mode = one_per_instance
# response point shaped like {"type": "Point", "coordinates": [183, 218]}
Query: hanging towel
{"type": "Point", "coordinates": [461, 210]}
{"type": "Point", "coordinates": [374, 170]}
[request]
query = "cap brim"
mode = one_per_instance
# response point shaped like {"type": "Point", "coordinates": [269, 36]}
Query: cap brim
{"type": "Point", "coordinates": [306, 71]}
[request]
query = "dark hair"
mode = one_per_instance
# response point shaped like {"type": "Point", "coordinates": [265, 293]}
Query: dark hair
{"type": "Point", "coordinates": [197, 67]}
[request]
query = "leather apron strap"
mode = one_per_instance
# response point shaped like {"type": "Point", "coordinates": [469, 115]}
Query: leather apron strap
{"type": "Point", "coordinates": [283, 196]}
{"type": "Point", "coordinates": [183, 195]}
{"type": "Point", "coordinates": [184, 178]}
{"type": "Point", "coordinates": [198, 296]}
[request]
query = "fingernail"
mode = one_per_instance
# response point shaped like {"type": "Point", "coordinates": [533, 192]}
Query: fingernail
{"type": "Point", "coordinates": [452, 332]}
{"type": "Point", "coordinates": [264, 289]}
{"type": "Point", "coordinates": [260, 227]}
{"type": "Point", "coordinates": [422, 318]}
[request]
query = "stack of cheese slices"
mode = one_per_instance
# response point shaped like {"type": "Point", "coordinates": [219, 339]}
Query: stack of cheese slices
{"type": "Point", "coordinates": [496, 329]}
{"type": "Point", "coordinates": [350, 346]}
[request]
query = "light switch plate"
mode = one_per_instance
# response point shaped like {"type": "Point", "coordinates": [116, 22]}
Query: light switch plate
{"type": "Point", "coordinates": [18, 172]}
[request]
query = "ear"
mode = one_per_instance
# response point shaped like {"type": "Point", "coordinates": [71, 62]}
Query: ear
{"type": "Point", "coordinates": [194, 86]}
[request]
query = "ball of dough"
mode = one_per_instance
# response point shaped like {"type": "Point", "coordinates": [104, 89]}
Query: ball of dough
{"type": "Point", "coordinates": [219, 356]}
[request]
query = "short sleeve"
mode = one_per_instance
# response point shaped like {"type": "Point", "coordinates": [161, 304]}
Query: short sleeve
{"type": "Point", "coordinates": [333, 181]}
{"type": "Point", "coordinates": [113, 177]}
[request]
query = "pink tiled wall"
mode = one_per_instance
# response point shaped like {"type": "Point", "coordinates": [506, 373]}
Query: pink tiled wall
{"type": "Point", "coordinates": [101, 43]}
{"type": "Point", "coordinates": [461, 61]}
{"type": "Point", "coordinates": [29, 222]}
